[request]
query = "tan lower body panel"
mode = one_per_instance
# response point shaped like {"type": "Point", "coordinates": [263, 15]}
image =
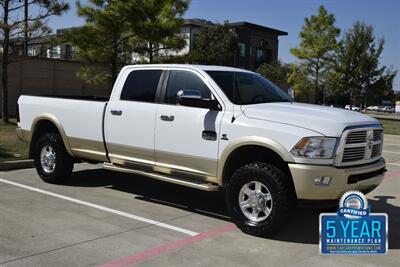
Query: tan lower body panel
{"type": "Point", "coordinates": [88, 149]}
{"type": "Point", "coordinates": [167, 163]}
{"type": "Point", "coordinates": [304, 175]}
{"type": "Point", "coordinates": [204, 167]}
{"type": "Point", "coordinates": [122, 155]}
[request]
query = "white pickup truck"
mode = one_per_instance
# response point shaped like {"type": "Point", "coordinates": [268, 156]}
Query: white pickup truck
{"type": "Point", "coordinates": [210, 127]}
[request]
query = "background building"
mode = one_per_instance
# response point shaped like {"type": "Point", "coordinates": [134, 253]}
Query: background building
{"type": "Point", "coordinates": [257, 44]}
{"type": "Point", "coordinates": [43, 47]}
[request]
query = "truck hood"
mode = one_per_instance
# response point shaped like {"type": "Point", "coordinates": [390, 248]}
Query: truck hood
{"type": "Point", "coordinates": [327, 121]}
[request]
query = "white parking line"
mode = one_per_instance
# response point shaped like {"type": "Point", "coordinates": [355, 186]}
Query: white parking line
{"type": "Point", "coordinates": [393, 164]}
{"type": "Point", "coordinates": [121, 213]}
{"type": "Point", "coordinates": [391, 152]}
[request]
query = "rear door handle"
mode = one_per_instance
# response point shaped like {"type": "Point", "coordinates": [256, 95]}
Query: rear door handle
{"type": "Point", "coordinates": [116, 112]}
{"type": "Point", "coordinates": [209, 135]}
{"type": "Point", "coordinates": [167, 118]}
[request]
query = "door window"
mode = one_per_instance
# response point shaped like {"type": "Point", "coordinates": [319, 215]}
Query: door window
{"type": "Point", "coordinates": [141, 85]}
{"type": "Point", "coordinates": [184, 80]}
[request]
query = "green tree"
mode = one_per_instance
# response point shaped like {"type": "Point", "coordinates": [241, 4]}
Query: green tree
{"type": "Point", "coordinates": [160, 32]}
{"type": "Point", "coordinates": [334, 92]}
{"type": "Point", "coordinates": [215, 45]}
{"type": "Point", "coordinates": [302, 85]}
{"type": "Point", "coordinates": [317, 48]}
{"type": "Point", "coordinates": [104, 44]}
{"type": "Point", "coordinates": [359, 63]}
{"type": "Point", "coordinates": [116, 29]}
{"type": "Point", "coordinates": [381, 89]}
{"type": "Point", "coordinates": [277, 73]}
{"type": "Point", "coordinates": [14, 27]}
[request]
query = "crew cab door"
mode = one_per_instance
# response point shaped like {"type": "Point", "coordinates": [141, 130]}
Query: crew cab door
{"type": "Point", "coordinates": [130, 119]}
{"type": "Point", "coordinates": [186, 138]}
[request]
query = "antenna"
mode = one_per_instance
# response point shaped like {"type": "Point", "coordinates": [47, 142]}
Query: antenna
{"type": "Point", "coordinates": [233, 96]}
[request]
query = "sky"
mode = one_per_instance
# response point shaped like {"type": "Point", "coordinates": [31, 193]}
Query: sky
{"type": "Point", "coordinates": [288, 15]}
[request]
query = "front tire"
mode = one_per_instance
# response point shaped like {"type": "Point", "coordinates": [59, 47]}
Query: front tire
{"type": "Point", "coordinates": [53, 163]}
{"type": "Point", "coordinates": [260, 199]}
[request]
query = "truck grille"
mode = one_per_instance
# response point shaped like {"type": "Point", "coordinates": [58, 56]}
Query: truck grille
{"type": "Point", "coordinates": [361, 146]}
{"type": "Point", "coordinates": [378, 134]}
{"type": "Point", "coordinates": [356, 137]}
{"type": "Point", "coordinates": [376, 150]}
{"type": "Point", "coordinates": [353, 153]}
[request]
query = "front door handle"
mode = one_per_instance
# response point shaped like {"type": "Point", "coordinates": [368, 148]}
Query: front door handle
{"type": "Point", "coordinates": [167, 118]}
{"type": "Point", "coordinates": [116, 112]}
{"type": "Point", "coordinates": [209, 135]}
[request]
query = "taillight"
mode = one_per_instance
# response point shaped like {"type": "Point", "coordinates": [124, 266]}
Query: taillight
{"type": "Point", "coordinates": [17, 113]}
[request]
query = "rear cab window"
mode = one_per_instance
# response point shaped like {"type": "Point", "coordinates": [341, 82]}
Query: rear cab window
{"type": "Point", "coordinates": [141, 85]}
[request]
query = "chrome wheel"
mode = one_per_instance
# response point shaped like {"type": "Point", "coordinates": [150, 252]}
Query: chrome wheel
{"type": "Point", "coordinates": [255, 201]}
{"type": "Point", "coordinates": [48, 159]}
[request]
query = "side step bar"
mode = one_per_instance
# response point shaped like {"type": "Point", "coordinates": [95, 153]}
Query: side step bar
{"type": "Point", "coordinates": [189, 183]}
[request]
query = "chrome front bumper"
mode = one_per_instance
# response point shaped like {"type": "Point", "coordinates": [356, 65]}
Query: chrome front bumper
{"type": "Point", "coordinates": [304, 176]}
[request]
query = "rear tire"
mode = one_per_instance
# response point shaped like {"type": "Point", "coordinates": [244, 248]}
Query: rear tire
{"type": "Point", "coordinates": [53, 163]}
{"type": "Point", "coordinates": [260, 199]}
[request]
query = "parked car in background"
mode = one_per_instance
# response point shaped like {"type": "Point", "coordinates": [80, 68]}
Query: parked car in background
{"type": "Point", "coordinates": [353, 108]}
{"type": "Point", "coordinates": [388, 109]}
{"type": "Point", "coordinates": [372, 108]}
{"type": "Point", "coordinates": [336, 106]}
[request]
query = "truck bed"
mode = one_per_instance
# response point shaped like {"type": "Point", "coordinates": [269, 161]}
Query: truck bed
{"type": "Point", "coordinates": [81, 119]}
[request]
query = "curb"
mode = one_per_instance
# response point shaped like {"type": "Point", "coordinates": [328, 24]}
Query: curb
{"type": "Point", "coordinates": [16, 165]}
{"type": "Point", "coordinates": [388, 118]}
{"type": "Point", "coordinates": [392, 135]}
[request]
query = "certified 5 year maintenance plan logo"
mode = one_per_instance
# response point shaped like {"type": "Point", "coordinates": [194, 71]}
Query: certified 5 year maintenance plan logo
{"type": "Point", "coordinates": [353, 229]}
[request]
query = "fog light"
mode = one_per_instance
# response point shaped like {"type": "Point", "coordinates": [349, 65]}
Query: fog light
{"type": "Point", "coordinates": [322, 180]}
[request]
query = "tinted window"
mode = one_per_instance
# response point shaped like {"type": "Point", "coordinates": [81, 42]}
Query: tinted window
{"type": "Point", "coordinates": [141, 85]}
{"type": "Point", "coordinates": [184, 80]}
{"type": "Point", "coordinates": [243, 88]}
{"type": "Point", "coordinates": [224, 79]}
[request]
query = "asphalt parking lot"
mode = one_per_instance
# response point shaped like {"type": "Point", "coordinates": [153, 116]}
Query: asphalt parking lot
{"type": "Point", "coordinates": [114, 219]}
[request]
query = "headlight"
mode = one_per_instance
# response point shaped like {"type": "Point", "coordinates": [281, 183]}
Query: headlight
{"type": "Point", "coordinates": [315, 148]}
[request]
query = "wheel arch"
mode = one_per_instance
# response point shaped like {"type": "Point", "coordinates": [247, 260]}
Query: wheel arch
{"type": "Point", "coordinates": [249, 149]}
{"type": "Point", "coordinates": [47, 123]}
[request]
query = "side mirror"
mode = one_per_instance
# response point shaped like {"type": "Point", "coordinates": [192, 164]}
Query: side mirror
{"type": "Point", "coordinates": [192, 98]}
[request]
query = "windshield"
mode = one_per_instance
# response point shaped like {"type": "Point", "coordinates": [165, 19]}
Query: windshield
{"type": "Point", "coordinates": [245, 88]}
